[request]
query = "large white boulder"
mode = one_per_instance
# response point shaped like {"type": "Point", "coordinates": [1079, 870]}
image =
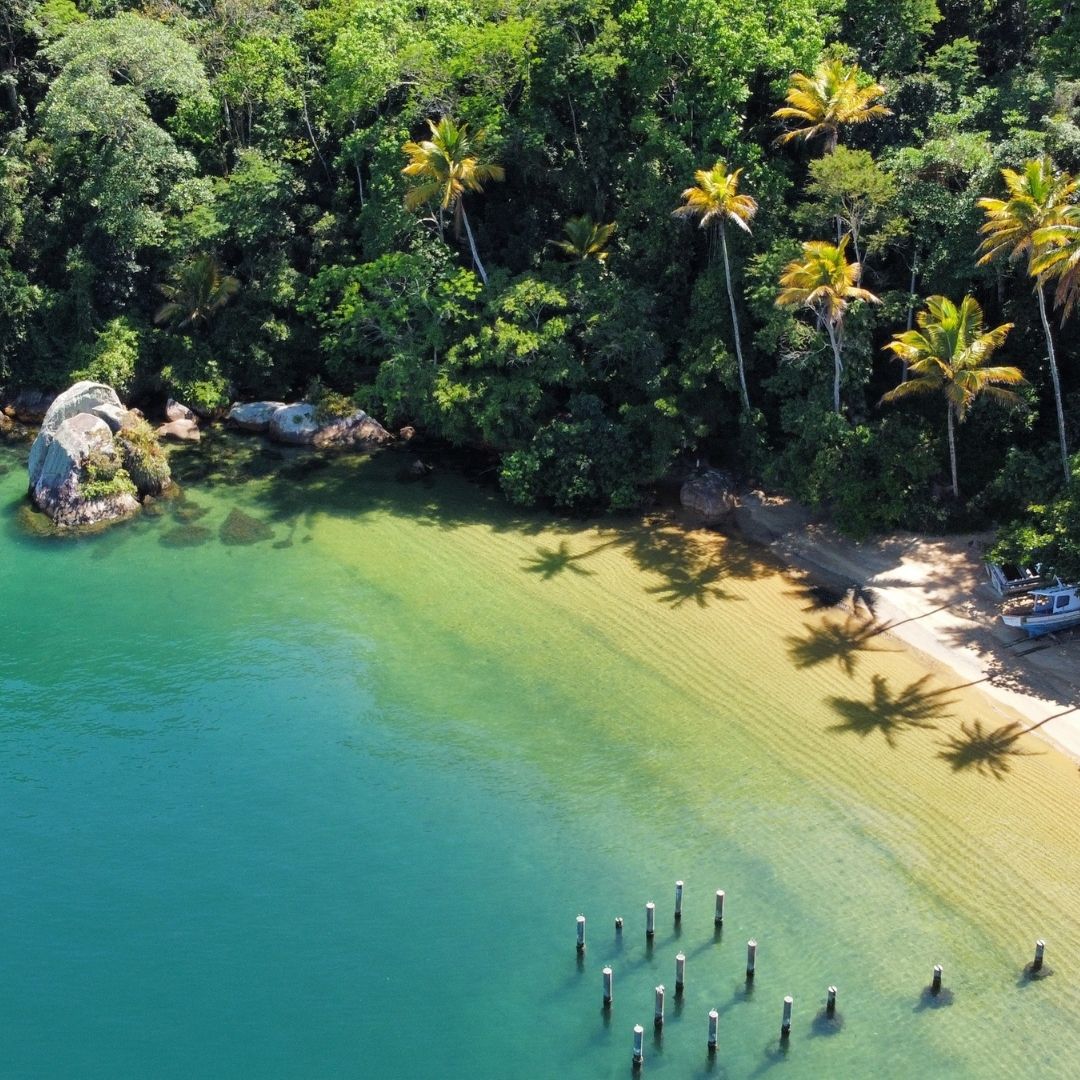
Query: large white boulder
{"type": "Point", "coordinates": [56, 489]}
{"type": "Point", "coordinates": [82, 397]}
{"type": "Point", "coordinates": [294, 424]}
{"type": "Point", "coordinates": [253, 415]}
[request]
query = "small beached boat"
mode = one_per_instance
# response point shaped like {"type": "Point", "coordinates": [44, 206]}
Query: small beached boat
{"type": "Point", "coordinates": [1057, 608]}
{"type": "Point", "coordinates": [1008, 579]}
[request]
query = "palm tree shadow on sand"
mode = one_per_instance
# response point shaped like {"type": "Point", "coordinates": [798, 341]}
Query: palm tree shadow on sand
{"type": "Point", "coordinates": [833, 641]}
{"type": "Point", "coordinates": [819, 597]}
{"type": "Point", "coordinates": [891, 713]}
{"type": "Point", "coordinates": [687, 583]}
{"type": "Point", "coordinates": [986, 750]}
{"type": "Point", "coordinates": [550, 562]}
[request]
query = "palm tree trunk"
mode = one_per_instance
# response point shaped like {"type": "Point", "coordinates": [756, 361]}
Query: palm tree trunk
{"type": "Point", "coordinates": [472, 246]}
{"type": "Point", "coordinates": [911, 300]}
{"type": "Point", "coordinates": [952, 455]}
{"type": "Point", "coordinates": [1054, 379]}
{"type": "Point", "coordinates": [838, 364]}
{"type": "Point", "coordinates": [734, 319]}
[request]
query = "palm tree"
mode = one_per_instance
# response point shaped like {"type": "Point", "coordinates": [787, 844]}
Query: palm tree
{"type": "Point", "coordinates": [447, 166]}
{"type": "Point", "coordinates": [825, 283]}
{"type": "Point", "coordinates": [828, 100]}
{"type": "Point", "coordinates": [585, 239]}
{"type": "Point", "coordinates": [1036, 198]}
{"type": "Point", "coordinates": [198, 290]}
{"type": "Point", "coordinates": [716, 201]}
{"type": "Point", "coordinates": [950, 352]}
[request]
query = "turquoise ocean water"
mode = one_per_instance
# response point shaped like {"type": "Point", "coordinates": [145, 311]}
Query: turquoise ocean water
{"type": "Point", "coordinates": [327, 804]}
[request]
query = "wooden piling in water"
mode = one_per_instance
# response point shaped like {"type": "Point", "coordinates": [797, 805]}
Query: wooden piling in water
{"type": "Point", "coordinates": [935, 986]}
{"type": "Point", "coordinates": [581, 933]}
{"type": "Point", "coordinates": [719, 917]}
{"type": "Point", "coordinates": [608, 977]}
{"type": "Point", "coordinates": [639, 1040]}
{"type": "Point", "coordinates": [1040, 948]}
{"type": "Point", "coordinates": [650, 919]}
{"type": "Point", "coordinates": [680, 972]}
{"type": "Point", "coordinates": [830, 1001]}
{"type": "Point", "coordinates": [714, 1022]}
{"type": "Point", "coordinates": [785, 1023]}
{"type": "Point", "coordinates": [678, 900]}
{"type": "Point", "coordinates": [658, 1011]}
{"type": "Point", "coordinates": [751, 958]}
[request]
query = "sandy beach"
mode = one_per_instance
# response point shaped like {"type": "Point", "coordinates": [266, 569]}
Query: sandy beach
{"type": "Point", "coordinates": [932, 594]}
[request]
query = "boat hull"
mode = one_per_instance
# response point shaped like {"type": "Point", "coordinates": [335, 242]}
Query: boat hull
{"type": "Point", "coordinates": [1038, 625]}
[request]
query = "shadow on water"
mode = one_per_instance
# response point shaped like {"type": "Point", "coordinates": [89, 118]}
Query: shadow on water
{"type": "Point", "coordinates": [891, 713]}
{"type": "Point", "coordinates": [986, 750]}
{"type": "Point", "coordinates": [833, 641]}
{"type": "Point", "coordinates": [825, 1024]}
{"type": "Point", "coordinates": [774, 1053]}
{"type": "Point", "coordinates": [931, 999]}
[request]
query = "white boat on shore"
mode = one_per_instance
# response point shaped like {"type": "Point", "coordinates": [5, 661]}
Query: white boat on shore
{"type": "Point", "coordinates": [1056, 608]}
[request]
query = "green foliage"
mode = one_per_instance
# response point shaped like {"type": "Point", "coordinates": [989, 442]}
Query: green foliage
{"type": "Point", "coordinates": [103, 477]}
{"type": "Point", "coordinates": [114, 356]}
{"type": "Point", "coordinates": [142, 457]}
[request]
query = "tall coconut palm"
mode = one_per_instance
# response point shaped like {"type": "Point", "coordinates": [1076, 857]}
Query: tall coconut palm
{"type": "Point", "coordinates": [828, 100]}
{"type": "Point", "coordinates": [197, 291]}
{"type": "Point", "coordinates": [950, 353]}
{"type": "Point", "coordinates": [825, 283]}
{"type": "Point", "coordinates": [714, 201]}
{"type": "Point", "coordinates": [1036, 198]}
{"type": "Point", "coordinates": [585, 239]}
{"type": "Point", "coordinates": [447, 166]}
{"type": "Point", "coordinates": [1057, 256]}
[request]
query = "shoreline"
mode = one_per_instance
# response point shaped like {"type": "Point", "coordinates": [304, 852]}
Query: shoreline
{"type": "Point", "coordinates": [931, 594]}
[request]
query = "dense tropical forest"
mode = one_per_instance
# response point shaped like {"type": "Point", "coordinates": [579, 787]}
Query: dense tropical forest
{"type": "Point", "coordinates": [835, 245]}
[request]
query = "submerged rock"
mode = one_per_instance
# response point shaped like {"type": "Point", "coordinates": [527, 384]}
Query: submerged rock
{"type": "Point", "coordinates": [254, 415]}
{"type": "Point", "coordinates": [711, 493]}
{"type": "Point", "coordinates": [240, 528]}
{"type": "Point", "coordinates": [184, 536]}
{"type": "Point", "coordinates": [358, 429]}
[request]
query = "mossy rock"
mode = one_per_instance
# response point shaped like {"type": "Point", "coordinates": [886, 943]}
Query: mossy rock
{"type": "Point", "coordinates": [186, 536]}
{"type": "Point", "coordinates": [240, 528]}
{"type": "Point", "coordinates": [146, 463]}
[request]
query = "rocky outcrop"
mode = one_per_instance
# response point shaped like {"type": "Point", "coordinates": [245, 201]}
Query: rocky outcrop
{"type": "Point", "coordinates": [58, 486]}
{"type": "Point", "coordinates": [181, 430]}
{"type": "Point", "coordinates": [711, 493]}
{"type": "Point", "coordinates": [174, 410]}
{"type": "Point", "coordinates": [253, 415]}
{"type": "Point", "coordinates": [299, 425]}
{"type": "Point", "coordinates": [294, 424]}
{"type": "Point", "coordinates": [30, 406]}
{"type": "Point", "coordinates": [93, 459]}
{"type": "Point", "coordinates": [83, 397]}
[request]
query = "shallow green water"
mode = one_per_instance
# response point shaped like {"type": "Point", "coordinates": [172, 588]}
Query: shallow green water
{"type": "Point", "coordinates": [327, 803]}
